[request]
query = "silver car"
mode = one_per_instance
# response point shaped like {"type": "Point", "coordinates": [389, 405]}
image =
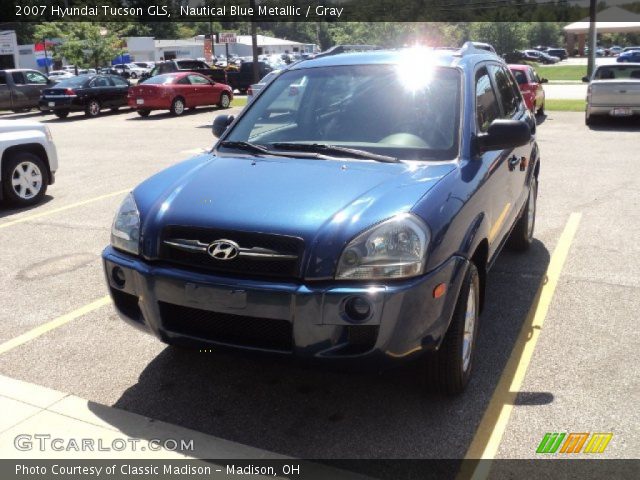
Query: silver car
{"type": "Point", "coordinates": [614, 90]}
{"type": "Point", "coordinates": [256, 87]}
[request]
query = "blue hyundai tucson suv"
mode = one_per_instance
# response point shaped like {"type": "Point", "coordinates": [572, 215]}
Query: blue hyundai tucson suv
{"type": "Point", "coordinates": [350, 212]}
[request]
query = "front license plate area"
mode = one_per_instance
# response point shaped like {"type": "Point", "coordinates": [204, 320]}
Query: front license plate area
{"type": "Point", "coordinates": [213, 297]}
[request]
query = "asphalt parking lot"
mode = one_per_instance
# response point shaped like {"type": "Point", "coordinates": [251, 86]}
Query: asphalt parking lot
{"type": "Point", "coordinates": [580, 355]}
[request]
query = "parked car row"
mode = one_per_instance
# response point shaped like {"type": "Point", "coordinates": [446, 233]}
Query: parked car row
{"type": "Point", "coordinates": [175, 92]}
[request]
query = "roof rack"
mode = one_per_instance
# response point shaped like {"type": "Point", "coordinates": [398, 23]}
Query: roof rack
{"type": "Point", "coordinates": [337, 49]}
{"type": "Point", "coordinates": [476, 48]}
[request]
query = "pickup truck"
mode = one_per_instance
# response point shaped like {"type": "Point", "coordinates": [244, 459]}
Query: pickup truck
{"type": "Point", "coordinates": [187, 65]}
{"type": "Point", "coordinates": [20, 90]}
{"type": "Point", "coordinates": [28, 161]}
{"type": "Point", "coordinates": [243, 78]}
{"type": "Point", "coordinates": [614, 90]}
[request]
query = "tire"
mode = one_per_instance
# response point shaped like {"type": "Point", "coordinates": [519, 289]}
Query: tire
{"type": "Point", "coordinates": [541, 109]}
{"type": "Point", "coordinates": [522, 234]}
{"type": "Point", "coordinates": [449, 369]}
{"type": "Point", "coordinates": [61, 113]}
{"type": "Point", "coordinates": [92, 109]}
{"type": "Point", "coordinates": [25, 179]}
{"type": "Point", "coordinates": [134, 75]}
{"type": "Point", "coordinates": [177, 106]}
{"type": "Point", "coordinates": [144, 113]}
{"type": "Point", "coordinates": [115, 109]}
{"type": "Point", "coordinates": [225, 100]}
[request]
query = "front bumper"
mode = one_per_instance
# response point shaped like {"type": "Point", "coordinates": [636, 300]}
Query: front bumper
{"type": "Point", "coordinates": [303, 319]}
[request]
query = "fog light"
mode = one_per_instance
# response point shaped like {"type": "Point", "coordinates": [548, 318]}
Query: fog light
{"type": "Point", "coordinates": [358, 309]}
{"type": "Point", "coordinates": [117, 274]}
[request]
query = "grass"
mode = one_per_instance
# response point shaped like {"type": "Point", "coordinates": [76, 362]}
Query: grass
{"type": "Point", "coordinates": [564, 105]}
{"type": "Point", "coordinates": [239, 102]}
{"type": "Point", "coordinates": [562, 72]}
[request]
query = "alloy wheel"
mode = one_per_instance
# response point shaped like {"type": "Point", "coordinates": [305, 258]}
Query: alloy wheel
{"type": "Point", "coordinates": [469, 328]}
{"type": "Point", "coordinates": [26, 180]}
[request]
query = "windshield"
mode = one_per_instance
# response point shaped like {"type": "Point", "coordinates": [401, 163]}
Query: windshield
{"type": "Point", "coordinates": [159, 80]}
{"type": "Point", "coordinates": [405, 112]}
{"type": "Point", "coordinates": [78, 81]}
{"type": "Point", "coordinates": [617, 72]}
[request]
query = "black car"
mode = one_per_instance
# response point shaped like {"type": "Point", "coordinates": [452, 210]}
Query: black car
{"type": "Point", "coordinates": [187, 65]}
{"type": "Point", "coordinates": [88, 93]}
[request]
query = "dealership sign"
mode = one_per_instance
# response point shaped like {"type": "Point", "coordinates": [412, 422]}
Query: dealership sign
{"type": "Point", "coordinates": [227, 37]}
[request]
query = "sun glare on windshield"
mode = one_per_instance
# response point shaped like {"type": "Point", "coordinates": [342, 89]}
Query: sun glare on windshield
{"type": "Point", "coordinates": [414, 70]}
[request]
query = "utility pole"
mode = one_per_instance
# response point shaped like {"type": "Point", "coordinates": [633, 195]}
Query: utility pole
{"type": "Point", "coordinates": [46, 59]}
{"type": "Point", "coordinates": [593, 35]}
{"type": "Point", "coordinates": [254, 45]}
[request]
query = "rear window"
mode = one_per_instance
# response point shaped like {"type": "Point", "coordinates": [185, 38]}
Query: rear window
{"type": "Point", "coordinates": [617, 72]}
{"type": "Point", "coordinates": [73, 82]}
{"type": "Point", "coordinates": [160, 80]}
{"type": "Point", "coordinates": [520, 77]}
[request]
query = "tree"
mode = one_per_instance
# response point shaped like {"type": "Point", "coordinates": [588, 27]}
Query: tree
{"type": "Point", "coordinates": [84, 44]}
{"type": "Point", "coordinates": [504, 36]}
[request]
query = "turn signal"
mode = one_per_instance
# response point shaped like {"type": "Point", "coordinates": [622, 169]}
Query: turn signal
{"type": "Point", "coordinates": [440, 290]}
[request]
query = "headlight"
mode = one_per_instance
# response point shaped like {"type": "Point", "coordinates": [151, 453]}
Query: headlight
{"type": "Point", "coordinates": [125, 231]}
{"type": "Point", "coordinates": [395, 248]}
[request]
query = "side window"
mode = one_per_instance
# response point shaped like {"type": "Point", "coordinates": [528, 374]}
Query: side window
{"type": "Point", "coordinates": [487, 109]}
{"type": "Point", "coordinates": [119, 82]}
{"type": "Point", "coordinates": [18, 78]}
{"type": "Point", "coordinates": [100, 82]}
{"type": "Point", "coordinates": [197, 80]}
{"type": "Point", "coordinates": [3, 78]}
{"type": "Point", "coordinates": [35, 78]}
{"type": "Point", "coordinates": [200, 66]}
{"type": "Point", "coordinates": [184, 81]}
{"type": "Point", "coordinates": [508, 97]}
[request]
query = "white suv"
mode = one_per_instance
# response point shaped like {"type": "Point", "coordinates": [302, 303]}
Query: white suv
{"type": "Point", "coordinates": [28, 161]}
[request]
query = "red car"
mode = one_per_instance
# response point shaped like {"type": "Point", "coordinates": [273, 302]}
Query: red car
{"type": "Point", "coordinates": [178, 91]}
{"type": "Point", "coordinates": [530, 85]}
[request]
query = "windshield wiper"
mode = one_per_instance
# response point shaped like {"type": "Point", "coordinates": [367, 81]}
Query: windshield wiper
{"type": "Point", "coordinates": [334, 149]}
{"type": "Point", "coordinates": [247, 146]}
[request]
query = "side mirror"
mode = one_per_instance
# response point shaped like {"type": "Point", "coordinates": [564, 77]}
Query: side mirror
{"type": "Point", "coordinates": [585, 79]}
{"type": "Point", "coordinates": [220, 124]}
{"type": "Point", "coordinates": [504, 134]}
{"type": "Point", "coordinates": [544, 80]}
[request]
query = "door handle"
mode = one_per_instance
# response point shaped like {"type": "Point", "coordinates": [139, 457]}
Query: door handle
{"type": "Point", "coordinates": [513, 163]}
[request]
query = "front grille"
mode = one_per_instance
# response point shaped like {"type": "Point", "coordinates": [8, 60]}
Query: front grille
{"type": "Point", "coordinates": [226, 328]}
{"type": "Point", "coordinates": [251, 266]}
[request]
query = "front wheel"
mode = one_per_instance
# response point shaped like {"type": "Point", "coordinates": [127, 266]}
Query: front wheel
{"type": "Point", "coordinates": [522, 234]}
{"type": "Point", "coordinates": [177, 107]}
{"type": "Point", "coordinates": [26, 180]}
{"type": "Point", "coordinates": [449, 369]}
{"type": "Point", "coordinates": [225, 101]}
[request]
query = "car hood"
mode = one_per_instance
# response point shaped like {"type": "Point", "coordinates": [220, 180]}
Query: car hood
{"type": "Point", "coordinates": [312, 199]}
{"type": "Point", "coordinates": [19, 125]}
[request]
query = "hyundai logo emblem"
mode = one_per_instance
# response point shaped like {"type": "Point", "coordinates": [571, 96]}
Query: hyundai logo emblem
{"type": "Point", "coordinates": [223, 249]}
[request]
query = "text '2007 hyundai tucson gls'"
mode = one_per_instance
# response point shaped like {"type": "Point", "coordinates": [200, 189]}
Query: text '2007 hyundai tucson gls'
{"type": "Point", "coordinates": [350, 212]}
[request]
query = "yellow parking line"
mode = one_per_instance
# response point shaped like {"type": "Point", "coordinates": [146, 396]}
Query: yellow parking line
{"type": "Point", "coordinates": [55, 323]}
{"type": "Point", "coordinates": [62, 209]}
{"type": "Point", "coordinates": [487, 438]}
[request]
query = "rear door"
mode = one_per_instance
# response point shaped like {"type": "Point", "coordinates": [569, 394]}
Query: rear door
{"type": "Point", "coordinates": [5, 93]}
{"type": "Point", "coordinates": [102, 90]}
{"type": "Point", "coordinates": [36, 82]}
{"type": "Point", "coordinates": [183, 88]}
{"type": "Point", "coordinates": [20, 90]}
{"type": "Point", "coordinates": [518, 158]}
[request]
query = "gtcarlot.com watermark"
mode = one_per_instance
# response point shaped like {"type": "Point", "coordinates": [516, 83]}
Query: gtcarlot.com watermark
{"type": "Point", "coordinates": [44, 442]}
